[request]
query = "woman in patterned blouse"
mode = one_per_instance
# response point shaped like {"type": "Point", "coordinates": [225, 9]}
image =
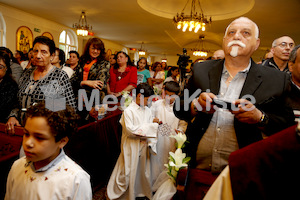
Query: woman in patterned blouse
{"type": "Point", "coordinates": [43, 82]}
{"type": "Point", "coordinates": [93, 72]}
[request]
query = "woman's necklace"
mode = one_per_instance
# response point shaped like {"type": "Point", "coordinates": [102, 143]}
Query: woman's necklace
{"type": "Point", "coordinates": [120, 75]}
{"type": "Point", "coordinates": [120, 72]}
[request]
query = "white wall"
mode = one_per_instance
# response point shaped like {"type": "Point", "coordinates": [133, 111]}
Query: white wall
{"type": "Point", "coordinates": [15, 18]}
{"type": "Point", "coordinates": [171, 60]}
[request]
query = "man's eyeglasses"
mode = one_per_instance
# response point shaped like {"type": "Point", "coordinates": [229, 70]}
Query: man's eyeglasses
{"type": "Point", "coordinates": [285, 45]}
{"type": "Point", "coordinates": [2, 67]}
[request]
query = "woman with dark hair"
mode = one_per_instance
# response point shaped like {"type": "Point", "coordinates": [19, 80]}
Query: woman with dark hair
{"type": "Point", "coordinates": [59, 62]}
{"type": "Point", "coordinates": [165, 68]}
{"type": "Point", "coordinates": [173, 74]}
{"type": "Point", "coordinates": [41, 82]}
{"type": "Point", "coordinates": [16, 69]}
{"type": "Point", "coordinates": [8, 88]}
{"type": "Point", "coordinates": [93, 72]}
{"type": "Point", "coordinates": [123, 76]}
{"type": "Point", "coordinates": [158, 77]}
{"type": "Point", "coordinates": [19, 55]}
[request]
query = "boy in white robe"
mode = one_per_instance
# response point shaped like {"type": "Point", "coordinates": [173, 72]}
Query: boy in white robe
{"type": "Point", "coordinates": [46, 172]}
{"type": "Point", "coordinates": [163, 110]}
{"type": "Point", "coordinates": [131, 176]}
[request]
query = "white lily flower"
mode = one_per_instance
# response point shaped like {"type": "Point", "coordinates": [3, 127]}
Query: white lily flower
{"type": "Point", "coordinates": [178, 156]}
{"type": "Point", "coordinates": [180, 139]}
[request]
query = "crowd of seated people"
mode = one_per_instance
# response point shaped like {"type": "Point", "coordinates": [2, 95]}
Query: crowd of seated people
{"type": "Point", "coordinates": [45, 76]}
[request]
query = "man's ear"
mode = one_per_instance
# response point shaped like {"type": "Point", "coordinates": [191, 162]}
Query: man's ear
{"type": "Point", "coordinates": [291, 66]}
{"type": "Point", "coordinates": [63, 142]}
{"type": "Point", "coordinates": [272, 50]}
{"type": "Point", "coordinates": [257, 44]}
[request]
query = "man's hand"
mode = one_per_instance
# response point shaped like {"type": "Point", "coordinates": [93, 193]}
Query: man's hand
{"type": "Point", "coordinates": [156, 120]}
{"type": "Point", "coordinates": [205, 101]}
{"type": "Point", "coordinates": [246, 112]}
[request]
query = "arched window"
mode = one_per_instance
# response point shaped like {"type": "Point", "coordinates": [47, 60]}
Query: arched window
{"type": "Point", "coordinates": [2, 31]}
{"type": "Point", "coordinates": [68, 41]}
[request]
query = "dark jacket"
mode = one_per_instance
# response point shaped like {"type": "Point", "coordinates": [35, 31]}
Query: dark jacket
{"type": "Point", "coordinates": [8, 97]}
{"type": "Point", "coordinates": [271, 63]}
{"type": "Point", "coordinates": [267, 85]}
{"type": "Point", "coordinates": [99, 71]}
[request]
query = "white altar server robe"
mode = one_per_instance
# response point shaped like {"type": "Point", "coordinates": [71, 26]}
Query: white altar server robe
{"type": "Point", "coordinates": [131, 176]}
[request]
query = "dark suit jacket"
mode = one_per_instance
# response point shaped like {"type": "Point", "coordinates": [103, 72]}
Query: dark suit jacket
{"type": "Point", "coordinates": [267, 85]}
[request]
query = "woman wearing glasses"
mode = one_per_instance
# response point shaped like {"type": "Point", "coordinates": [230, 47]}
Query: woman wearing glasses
{"type": "Point", "coordinates": [93, 72]}
{"type": "Point", "coordinates": [41, 82]}
{"type": "Point", "coordinates": [8, 88]}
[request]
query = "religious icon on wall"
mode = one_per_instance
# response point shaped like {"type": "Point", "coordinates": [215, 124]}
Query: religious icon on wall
{"type": "Point", "coordinates": [24, 39]}
{"type": "Point", "coordinates": [47, 34]}
{"type": "Point", "coordinates": [108, 54]}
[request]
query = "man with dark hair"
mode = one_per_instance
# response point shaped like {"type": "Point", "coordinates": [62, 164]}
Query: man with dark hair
{"type": "Point", "coordinates": [73, 60]}
{"type": "Point", "coordinates": [281, 49]}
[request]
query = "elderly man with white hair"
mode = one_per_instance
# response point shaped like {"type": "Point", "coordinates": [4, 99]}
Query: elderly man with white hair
{"type": "Point", "coordinates": [255, 99]}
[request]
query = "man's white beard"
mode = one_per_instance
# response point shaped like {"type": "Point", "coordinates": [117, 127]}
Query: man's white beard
{"type": "Point", "coordinates": [234, 51]}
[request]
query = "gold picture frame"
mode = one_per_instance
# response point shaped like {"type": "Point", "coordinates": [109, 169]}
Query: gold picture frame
{"type": "Point", "coordinates": [24, 39]}
{"type": "Point", "coordinates": [47, 34]}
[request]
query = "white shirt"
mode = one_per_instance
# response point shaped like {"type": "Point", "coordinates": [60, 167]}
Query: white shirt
{"type": "Point", "coordinates": [159, 75]}
{"type": "Point", "coordinates": [61, 179]}
{"type": "Point", "coordinates": [164, 112]}
{"type": "Point", "coordinates": [68, 70]}
{"type": "Point", "coordinates": [131, 176]}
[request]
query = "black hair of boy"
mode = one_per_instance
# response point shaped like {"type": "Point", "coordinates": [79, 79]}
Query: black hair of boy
{"type": "Point", "coordinates": [147, 90]}
{"type": "Point", "coordinates": [172, 86]}
{"type": "Point", "coordinates": [63, 123]}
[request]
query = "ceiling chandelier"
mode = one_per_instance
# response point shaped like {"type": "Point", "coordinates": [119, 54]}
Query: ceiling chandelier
{"type": "Point", "coordinates": [200, 52]}
{"type": "Point", "coordinates": [193, 21]}
{"type": "Point", "coordinates": [82, 28]}
{"type": "Point", "coordinates": [142, 52]}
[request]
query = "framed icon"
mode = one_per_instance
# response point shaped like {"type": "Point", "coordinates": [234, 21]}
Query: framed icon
{"type": "Point", "coordinates": [108, 54]}
{"type": "Point", "coordinates": [24, 39]}
{"type": "Point", "coordinates": [47, 34]}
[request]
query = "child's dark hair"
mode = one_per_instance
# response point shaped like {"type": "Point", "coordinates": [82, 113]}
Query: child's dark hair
{"type": "Point", "coordinates": [147, 89]}
{"type": "Point", "coordinates": [173, 68]}
{"type": "Point", "coordinates": [63, 123]}
{"type": "Point", "coordinates": [172, 86]}
{"type": "Point", "coordinates": [143, 58]}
